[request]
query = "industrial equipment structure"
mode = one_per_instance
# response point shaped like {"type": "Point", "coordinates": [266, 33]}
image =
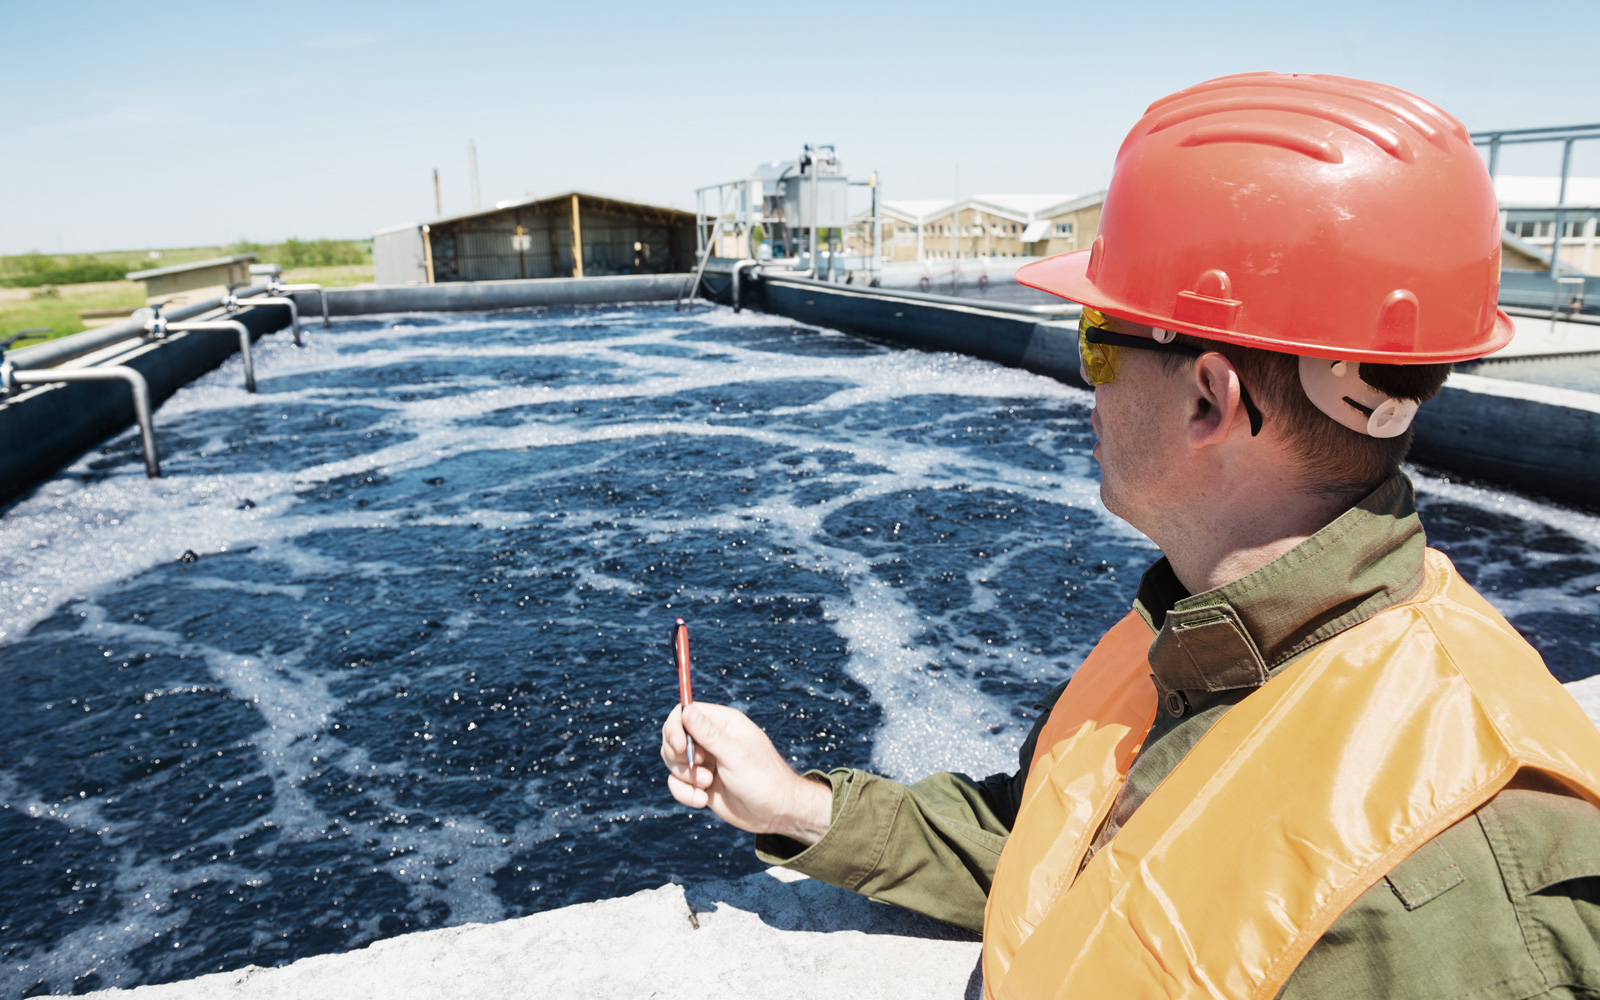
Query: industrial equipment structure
{"type": "Point", "coordinates": [789, 209]}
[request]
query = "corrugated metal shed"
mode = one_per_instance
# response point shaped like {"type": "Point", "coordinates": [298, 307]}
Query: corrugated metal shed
{"type": "Point", "coordinates": [397, 256]}
{"type": "Point", "coordinates": [537, 239]}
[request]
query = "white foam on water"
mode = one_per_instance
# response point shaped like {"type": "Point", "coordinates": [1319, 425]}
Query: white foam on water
{"type": "Point", "coordinates": [78, 535]}
{"type": "Point", "coordinates": [1574, 595]}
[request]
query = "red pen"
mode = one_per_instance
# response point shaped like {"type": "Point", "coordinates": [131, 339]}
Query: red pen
{"type": "Point", "coordinates": [680, 647]}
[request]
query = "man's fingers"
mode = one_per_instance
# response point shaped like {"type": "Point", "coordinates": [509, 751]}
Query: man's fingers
{"type": "Point", "coordinates": [705, 723]}
{"type": "Point", "coordinates": [678, 767]}
{"type": "Point", "coordinates": [694, 798]}
{"type": "Point", "coordinates": [672, 736]}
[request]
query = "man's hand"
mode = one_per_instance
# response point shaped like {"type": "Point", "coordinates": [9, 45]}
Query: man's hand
{"type": "Point", "coordinates": [738, 773]}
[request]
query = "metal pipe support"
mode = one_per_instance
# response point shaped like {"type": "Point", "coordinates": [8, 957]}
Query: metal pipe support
{"type": "Point", "coordinates": [244, 342]}
{"type": "Point", "coordinates": [322, 293]}
{"type": "Point", "coordinates": [136, 382]}
{"type": "Point", "coordinates": [273, 300]}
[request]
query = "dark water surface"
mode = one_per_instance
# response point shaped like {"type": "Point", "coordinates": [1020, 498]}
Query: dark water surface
{"type": "Point", "coordinates": [415, 675]}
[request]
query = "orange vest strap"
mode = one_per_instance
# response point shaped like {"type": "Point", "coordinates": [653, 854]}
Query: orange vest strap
{"type": "Point", "coordinates": [1098, 725]}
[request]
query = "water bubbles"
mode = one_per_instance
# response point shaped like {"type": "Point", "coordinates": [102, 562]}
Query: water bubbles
{"type": "Point", "coordinates": [418, 675]}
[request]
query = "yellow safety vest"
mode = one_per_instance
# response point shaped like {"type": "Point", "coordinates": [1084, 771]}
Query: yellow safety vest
{"type": "Point", "coordinates": [1298, 800]}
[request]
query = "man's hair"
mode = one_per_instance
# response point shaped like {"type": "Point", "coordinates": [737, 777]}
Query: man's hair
{"type": "Point", "coordinates": [1335, 461]}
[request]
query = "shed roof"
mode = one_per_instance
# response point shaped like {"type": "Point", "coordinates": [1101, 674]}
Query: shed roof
{"type": "Point", "coordinates": [560, 201]}
{"type": "Point", "coordinates": [194, 265]}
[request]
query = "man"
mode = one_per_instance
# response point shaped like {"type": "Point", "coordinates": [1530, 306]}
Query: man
{"type": "Point", "coordinates": [1311, 762]}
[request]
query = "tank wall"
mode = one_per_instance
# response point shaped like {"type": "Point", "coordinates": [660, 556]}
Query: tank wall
{"type": "Point", "coordinates": [46, 428]}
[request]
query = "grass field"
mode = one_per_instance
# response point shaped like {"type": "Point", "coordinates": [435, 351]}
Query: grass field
{"type": "Point", "coordinates": [342, 276]}
{"type": "Point", "coordinates": [26, 308]}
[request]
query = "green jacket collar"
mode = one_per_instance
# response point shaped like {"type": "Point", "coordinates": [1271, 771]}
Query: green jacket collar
{"type": "Point", "coordinates": [1368, 559]}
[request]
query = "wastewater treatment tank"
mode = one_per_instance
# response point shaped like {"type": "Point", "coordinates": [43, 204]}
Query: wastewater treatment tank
{"type": "Point", "coordinates": [387, 648]}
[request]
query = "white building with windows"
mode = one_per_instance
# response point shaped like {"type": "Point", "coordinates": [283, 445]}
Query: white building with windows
{"type": "Point", "coordinates": [1528, 212]}
{"type": "Point", "coordinates": [985, 225]}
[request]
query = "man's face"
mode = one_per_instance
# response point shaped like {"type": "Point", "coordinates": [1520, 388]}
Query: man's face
{"type": "Point", "coordinates": [1138, 421]}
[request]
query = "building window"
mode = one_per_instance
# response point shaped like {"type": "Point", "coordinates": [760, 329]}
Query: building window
{"type": "Point", "coordinates": [1063, 230]}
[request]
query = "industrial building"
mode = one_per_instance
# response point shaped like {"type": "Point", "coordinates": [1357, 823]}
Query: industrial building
{"type": "Point", "coordinates": [1039, 225]}
{"type": "Point", "coordinates": [985, 225]}
{"type": "Point", "coordinates": [1528, 211]}
{"type": "Point", "coordinates": [571, 235]}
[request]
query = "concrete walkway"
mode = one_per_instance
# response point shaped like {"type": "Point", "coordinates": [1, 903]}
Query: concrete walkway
{"type": "Point", "coordinates": [774, 935]}
{"type": "Point", "coordinates": [1537, 336]}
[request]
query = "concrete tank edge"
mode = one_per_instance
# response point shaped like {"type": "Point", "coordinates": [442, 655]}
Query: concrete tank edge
{"type": "Point", "coordinates": [772, 934]}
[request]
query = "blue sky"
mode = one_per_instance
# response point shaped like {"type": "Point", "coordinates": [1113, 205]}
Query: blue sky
{"type": "Point", "coordinates": [172, 124]}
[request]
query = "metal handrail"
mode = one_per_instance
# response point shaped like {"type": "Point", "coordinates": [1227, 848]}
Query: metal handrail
{"type": "Point", "coordinates": [705, 258]}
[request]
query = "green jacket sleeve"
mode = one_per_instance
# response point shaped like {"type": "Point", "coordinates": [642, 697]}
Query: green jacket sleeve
{"type": "Point", "coordinates": [930, 847]}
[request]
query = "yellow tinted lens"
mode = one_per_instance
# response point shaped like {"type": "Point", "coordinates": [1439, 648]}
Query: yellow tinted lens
{"type": "Point", "coordinates": [1099, 360]}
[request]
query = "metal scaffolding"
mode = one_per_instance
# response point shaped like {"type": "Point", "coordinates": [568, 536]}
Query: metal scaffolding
{"type": "Point", "coordinates": [1567, 135]}
{"type": "Point", "coordinates": [794, 204]}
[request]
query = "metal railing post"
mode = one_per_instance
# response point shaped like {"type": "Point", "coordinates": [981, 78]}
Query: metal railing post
{"type": "Point", "coordinates": [1572, 306]}
{"type": "Point", "coordinates": [1561, 213]}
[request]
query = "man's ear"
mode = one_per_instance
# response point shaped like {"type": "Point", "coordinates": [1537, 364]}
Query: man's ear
{"type": "Point", "coordinates": [1216, 408]}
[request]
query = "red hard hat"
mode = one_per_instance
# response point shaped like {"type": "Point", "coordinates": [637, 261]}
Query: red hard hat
{"type": "Point", "coordinates": [1312, 215]}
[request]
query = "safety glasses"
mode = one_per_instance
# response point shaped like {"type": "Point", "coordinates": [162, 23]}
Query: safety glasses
{"type": "Point", "coordinates": [1099, 346]}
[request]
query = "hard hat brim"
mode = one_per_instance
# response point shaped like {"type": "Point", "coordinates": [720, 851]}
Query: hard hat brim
{"type": "Point", "coordinates": [1066, 275]}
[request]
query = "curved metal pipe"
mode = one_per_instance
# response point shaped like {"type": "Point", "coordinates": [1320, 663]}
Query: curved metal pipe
{"type": "Point", "coordinates": [136, 382]}
{"type": "Point", "coordinates": [321, 292]}
{"type": "Point", "coordinates": [275, 300]}
{"type": "Point", "coordinates": [737, 267]}
{"type": "Point", "coordinates": [244, 342]}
